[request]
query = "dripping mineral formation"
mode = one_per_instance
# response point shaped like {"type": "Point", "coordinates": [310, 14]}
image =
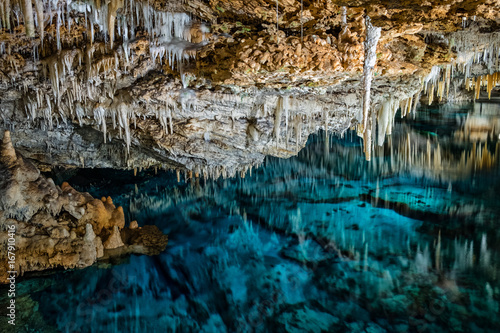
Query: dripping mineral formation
{"type": "Point", "coordinates": [213, 87]}
{"type": "Point", "coordinates": [58, 227]}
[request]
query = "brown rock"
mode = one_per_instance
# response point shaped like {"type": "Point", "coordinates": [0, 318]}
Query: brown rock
{"type": "Point", "coordinates": [7, 152]}
{"type": "Point", "coordinates": [31, 203]}
{"type": "Point", "coordinates": [114, 240]}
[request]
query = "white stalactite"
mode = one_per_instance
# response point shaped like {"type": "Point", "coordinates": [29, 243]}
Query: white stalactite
{"type": "Point", "coordinates": [29, 26]}
{"type": "Point", "coordinates": [40, 18]}
{"type": "Point", "coordinates": [372, 37]}
{"type": "Point", "coordinates": [5, 10]}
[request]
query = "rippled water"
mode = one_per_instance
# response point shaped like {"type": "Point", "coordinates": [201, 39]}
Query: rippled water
{"type": "Point", "coordinates": [321, 242]}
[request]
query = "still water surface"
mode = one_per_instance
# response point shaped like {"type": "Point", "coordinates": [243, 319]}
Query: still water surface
{"type": "Point", "coordinates": [320, 242]}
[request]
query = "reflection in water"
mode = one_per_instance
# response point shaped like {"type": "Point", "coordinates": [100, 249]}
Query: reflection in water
{"type": "Point", "coordinates": [489, 81]}
{"type": "Point", "coordinates": [454, 154]}
{"type": "Point", "coordinates": [324, 241]}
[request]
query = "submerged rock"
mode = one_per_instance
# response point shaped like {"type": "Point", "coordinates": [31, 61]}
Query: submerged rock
{"type": "Point", "coordinates": [58, 227]}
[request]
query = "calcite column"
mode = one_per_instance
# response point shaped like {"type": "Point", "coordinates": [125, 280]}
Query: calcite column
{"type": "Point", "coordinates": [29, 26]}
{"type": "Point", "coordinates": [372, 37]}
{"type": "Point", "coordinates": [39, 15]}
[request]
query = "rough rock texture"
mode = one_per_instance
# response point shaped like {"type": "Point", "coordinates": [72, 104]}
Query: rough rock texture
{"type": "Point", "coordinates": [57, 226]}
{"type": "Point", "coordinates": [148, 85]}
{"type": "Point", "coordinates": [224, 134]}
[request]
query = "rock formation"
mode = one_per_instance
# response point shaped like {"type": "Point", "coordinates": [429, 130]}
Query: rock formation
{"type": "Point", "coordinates": [59, 227]}
{"type": "Point", "coordinates": [196, 85]}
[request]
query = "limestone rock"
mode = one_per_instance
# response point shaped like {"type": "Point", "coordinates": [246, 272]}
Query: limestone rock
{"type": "Point", "coordinates": [55, 227]}
{"type": "Point", "coordinates": [59, 232]}
{"type": "Point", "coordinates": [114, 240]}
{"type": "Point", "coordinates": [149, 238]}
{"type": "Point", "coordinates": [99, 247]}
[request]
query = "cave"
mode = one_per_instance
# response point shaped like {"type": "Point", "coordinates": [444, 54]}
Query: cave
{"type": "Point", "coordinates": [249, 166]}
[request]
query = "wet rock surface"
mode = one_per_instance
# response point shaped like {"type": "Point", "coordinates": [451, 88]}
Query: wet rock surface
{"type": "Point", "coordinates": [59, 227]}
{"type": "Point", "coordinates": [201, 93]}
{"type": "Point", "coordinates": [210, 88]}
{"type": "Point", "coordinates": [296, 247]}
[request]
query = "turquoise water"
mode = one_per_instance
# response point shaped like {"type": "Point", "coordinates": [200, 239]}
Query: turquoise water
{"type": "Point", "coordinates": [320, 242]}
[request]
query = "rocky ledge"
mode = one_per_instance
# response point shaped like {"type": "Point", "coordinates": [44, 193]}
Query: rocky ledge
{"type": "Point", "coordinates": [59, 227]}
{"type": "Point", "coordinates": [210, 87]}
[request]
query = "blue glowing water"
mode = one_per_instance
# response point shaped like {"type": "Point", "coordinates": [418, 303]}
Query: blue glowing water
{"type": "Point", "coordinates": [320, 242]}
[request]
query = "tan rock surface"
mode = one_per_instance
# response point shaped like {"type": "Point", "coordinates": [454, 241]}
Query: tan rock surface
{"type": "Point", "coordinates": [81, 104]}
{"type": "Point", "coordinates": [55, 227]}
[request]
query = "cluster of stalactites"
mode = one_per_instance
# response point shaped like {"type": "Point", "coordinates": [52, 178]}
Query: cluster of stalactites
{"type": "Point", "coordinates": [383, 117]}
{"type": "Point", "coordinates": [86, 95]}
{"type": "Point", "coordinates": [124, 113]}
{"type": "Point", "coordinates": [169, 33]}
{"type": "Point", "coordinates": [476, 48]}
{"type": "Point", "coordinates": [72, 93]}
{"type": "Point", "coordinates": [59, 69]}
{"type": "Point", "coordinates": [438, 83]}
{"type": "Point", "coordinates": [472, 48]}
{"type": "Point", "coordinates": [489, 81]}
{"type": "Point", "coordinates": [387, 113]}
{"type": "Point", "coordinates": [434, 160]}
{"type": "Point", "coordinates": [75, 96]}
{"type": "Point", "coordinates": [215, 172]}
{"type": "Point", "coordinates": [290, 120]}
{"type": "Point", "coordinates": [193, 173]}
{"type": "Point", "coordinates": [8, 6]}
{"type": "Point", "coordinates": [292, 116]}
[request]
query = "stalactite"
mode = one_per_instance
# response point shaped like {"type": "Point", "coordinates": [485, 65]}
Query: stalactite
{"type": "Point", "coordinates": [286, 108]}
{"type": "Point", "coordinates": [100, 117]}
{"type": "Point", "coordinates": [477, 90]}
{"type": "Point", "coordinates": [113, 6]}
{"type": "Point", "coordinates": [5, 14]}
{"type": "Point", "coordinates": [344, 16]}
{"type": "Point", "coordinates": [40, 19]}
{"type": "Point", "coordinates": [302, 21]}
{"type": "Point", "coordinates": [372, 37]}
{"type": "Point", "coordinates": [277, 22]}
{"type": "Point", "coordinates": [277, 120]}
{"type": "Point", "coordinates": [58, 29]}
{"type": "Point", "coordinates": [29, 26]}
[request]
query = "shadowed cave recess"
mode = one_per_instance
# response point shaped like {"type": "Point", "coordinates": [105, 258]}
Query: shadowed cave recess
{"type": "Point", "coordinates": [318, 166]}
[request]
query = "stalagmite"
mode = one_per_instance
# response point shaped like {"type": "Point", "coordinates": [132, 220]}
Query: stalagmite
{"type": "Point", "coordinates": [8, 153]}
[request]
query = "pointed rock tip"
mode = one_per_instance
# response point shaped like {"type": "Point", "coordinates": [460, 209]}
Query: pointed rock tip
{"type": "Point", "coordinates": [7, 151]}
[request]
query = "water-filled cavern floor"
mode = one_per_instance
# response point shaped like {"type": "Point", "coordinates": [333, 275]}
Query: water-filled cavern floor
{"type": "Point", "coordinates": [323, 241]}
